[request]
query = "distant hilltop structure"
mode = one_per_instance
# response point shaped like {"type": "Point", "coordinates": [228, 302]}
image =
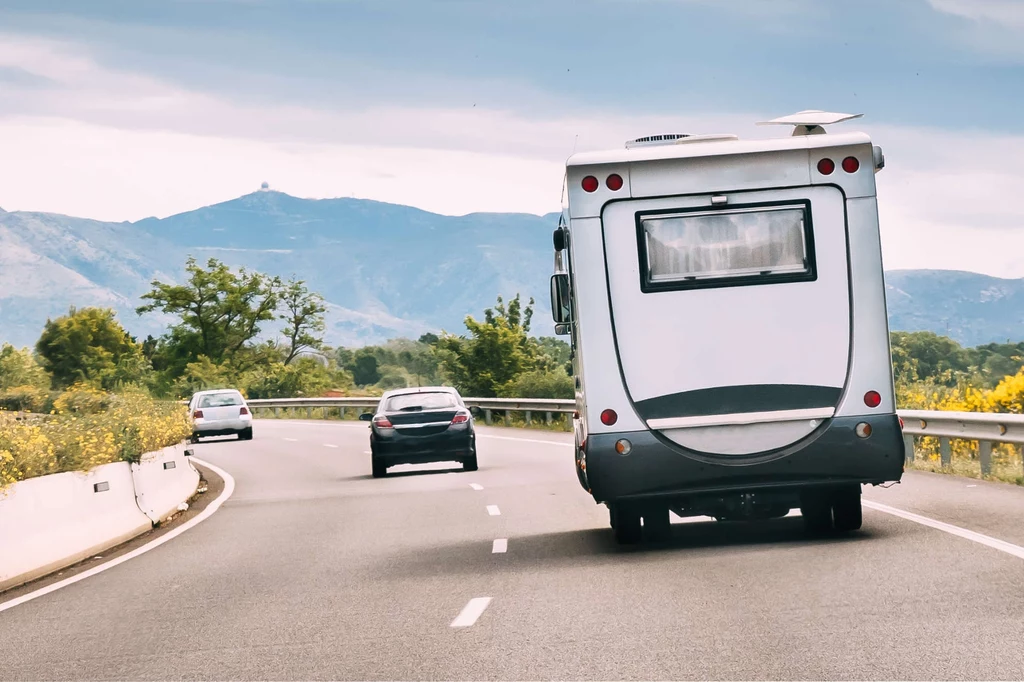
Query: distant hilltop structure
{"type": "Point", "coordinates": [265, 187]}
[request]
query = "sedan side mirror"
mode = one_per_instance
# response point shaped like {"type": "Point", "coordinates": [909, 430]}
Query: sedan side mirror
{"type": "Point", "coordinates": [366, 417]}
{"type": "Point", "coordinates": [475, 411]}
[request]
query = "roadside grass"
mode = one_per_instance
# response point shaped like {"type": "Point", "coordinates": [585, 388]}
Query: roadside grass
{"type": "Point", "coordinates": [1004, 469]}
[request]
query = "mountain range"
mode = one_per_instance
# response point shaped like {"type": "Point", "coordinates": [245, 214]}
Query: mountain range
{"type": "Point", "coordinates": [385, 270]}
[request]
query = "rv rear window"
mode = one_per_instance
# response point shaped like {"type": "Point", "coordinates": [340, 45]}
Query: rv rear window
{"type": "Point", "coordinates": [714, 248]}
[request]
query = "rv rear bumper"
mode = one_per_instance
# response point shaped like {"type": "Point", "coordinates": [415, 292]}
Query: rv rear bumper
{"type": "Point", "coordinates": [656, 468]}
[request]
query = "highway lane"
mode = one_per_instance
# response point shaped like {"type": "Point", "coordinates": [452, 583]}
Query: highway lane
{"type": "Point", "coordinates": [315, 570]}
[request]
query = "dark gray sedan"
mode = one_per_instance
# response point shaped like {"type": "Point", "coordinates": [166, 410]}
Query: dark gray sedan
{"type": "Point", "coordinates": [420, 426]}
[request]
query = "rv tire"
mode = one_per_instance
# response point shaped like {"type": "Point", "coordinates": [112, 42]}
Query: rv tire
{"type": "Point", "coordinates": [816, 509]}
{"type": "Point", "coordinates": [657, 524]}
{"type": "Point", "coordinates": [626, 522]}
{"type": "Point", "coordinates": [846, 509]}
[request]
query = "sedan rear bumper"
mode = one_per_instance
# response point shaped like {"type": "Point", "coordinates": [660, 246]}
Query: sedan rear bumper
{"type": "Point", "coordinates": [443, 447]}
{"type": "Point", "coordinates": [220, 427]}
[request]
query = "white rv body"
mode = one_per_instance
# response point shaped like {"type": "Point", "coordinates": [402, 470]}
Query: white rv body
{"type": "Point", "coordinates": [728, 306]}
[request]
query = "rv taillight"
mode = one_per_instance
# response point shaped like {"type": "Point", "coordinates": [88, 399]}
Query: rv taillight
{"type": "Point", "coordinates": [608, 417]}
{"type": "Point", "coordinates": [851, 164]}
{"type": "Point", "coordinates": [590, 184]}
{"type": "Point", "coordinates": [826, 166]}
{"type": "Point", "coordinates": [872, 399]}
{"type": "Point", "coordinates": [243, 410]}
{"type": "Point", "coordinates": [198, 414]}
{"type": "Point", "coordinates": [614, 182]}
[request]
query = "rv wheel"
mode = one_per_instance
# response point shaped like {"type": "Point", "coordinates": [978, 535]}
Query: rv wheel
{"type": "Point", "coordinates": [846, 509]}
{"type": "Point", "coordinates": [657, 524]}
{"type": "Point", "coordinates": [816, 508]}
{"type": "Point", "coordinates": [626, 522]}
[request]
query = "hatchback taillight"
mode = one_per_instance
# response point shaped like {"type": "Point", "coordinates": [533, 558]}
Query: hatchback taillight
{"type": "Point", "coordinates": [243, 410]}
{"type": "Point", "coordinates": [460, 418]}
{"type": "Point", "coordinates": [198, 414]}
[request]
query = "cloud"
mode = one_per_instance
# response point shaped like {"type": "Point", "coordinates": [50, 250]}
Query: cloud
{"type": "Point", "coordinates": [1008, 13]}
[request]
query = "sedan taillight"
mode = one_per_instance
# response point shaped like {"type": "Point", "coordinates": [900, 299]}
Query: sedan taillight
{"type": "Point", "coordinates": [382, 423]}
{"type": "Point", "coordinates": [460, 418]}
{"type": "Point", "coordinates": [198, 414]}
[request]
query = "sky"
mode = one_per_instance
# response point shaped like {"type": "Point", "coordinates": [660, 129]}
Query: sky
{"type": "Point", "coordinates": [123, 109]}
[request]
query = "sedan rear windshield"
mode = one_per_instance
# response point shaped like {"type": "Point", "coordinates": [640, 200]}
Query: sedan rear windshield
{"type": "Point", "coordinates": [420, 401]}
{"type": "Point", "coordinates": [220, 400]}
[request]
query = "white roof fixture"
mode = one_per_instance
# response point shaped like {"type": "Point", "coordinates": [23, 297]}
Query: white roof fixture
{"type": "Point", "coordinates": [810, 121]}
{"type": "Point", "coordinates": [675, 138]}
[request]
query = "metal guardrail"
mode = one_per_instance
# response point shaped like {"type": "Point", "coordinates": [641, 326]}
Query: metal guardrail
{"type": "Point", "coordinates": [528, 406]}
{"type": "Point", "coordinates": [985, 428]}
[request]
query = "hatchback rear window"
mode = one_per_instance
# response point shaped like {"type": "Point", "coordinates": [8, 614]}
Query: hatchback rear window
{"type": "Point", "coordinates": [220, 400]}
{"type": "Point", "coordinates": [420, 401]}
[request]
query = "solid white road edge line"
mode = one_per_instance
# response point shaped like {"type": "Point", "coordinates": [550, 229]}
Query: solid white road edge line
{"type": "Point", "coordinates": [471, 612]}
{"type": "Point", "coordinates": [994, 543]}
{"type": "Point", "coordinates": [476, 486]}
{"type": "Point", "coordinates": [229, 488]}
{"type": "Point", "coordinates": [500, 546]}
{"type": "Point", "coordinates": [493, 510]}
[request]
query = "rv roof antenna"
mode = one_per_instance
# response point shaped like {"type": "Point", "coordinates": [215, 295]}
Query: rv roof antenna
{"type": "Point", "coordinates": [810, 122]}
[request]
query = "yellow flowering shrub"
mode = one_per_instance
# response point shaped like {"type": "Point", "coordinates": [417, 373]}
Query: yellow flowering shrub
{"type": "Point", "coordinates": [1006, 397]}
{"type": "Point", "coordinates": [79, 436]}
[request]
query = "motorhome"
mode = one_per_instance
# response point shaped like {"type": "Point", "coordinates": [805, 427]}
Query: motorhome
{"type": "Point", "coordinates": [725, 304]}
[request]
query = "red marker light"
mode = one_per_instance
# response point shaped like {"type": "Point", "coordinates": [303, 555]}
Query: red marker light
{"type": "Point", "coordinates": [851, 164]}
{"type": "Point", "coordinates": [872, 399]}
{"type": "Point", "coordinates": [608, 417]}
{"type": "Point", "coordinates": [590, 184]}
{"type": "Point", "coordinates": [614, 182]}
{"type": "Point", "coordinates": [901, 423]}
{"type": "Point", "coordinates": [826, 166]}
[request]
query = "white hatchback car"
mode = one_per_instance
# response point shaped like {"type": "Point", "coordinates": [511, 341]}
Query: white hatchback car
{"type": "Point", "coordinates": [220, 413]}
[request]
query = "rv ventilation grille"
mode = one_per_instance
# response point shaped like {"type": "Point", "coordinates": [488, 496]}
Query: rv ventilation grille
{"type": "Point", "coordinates": [654, 140]}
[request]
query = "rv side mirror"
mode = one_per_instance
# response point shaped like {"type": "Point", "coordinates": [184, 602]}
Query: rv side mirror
{"type": "Point", "coordinates": [561, 330]}
{"type": "Point", "coordinates": [559, 239]}
{"type": "Point", "coordinates": [560, 310]}
{"type": "Point", "coordinates": [366, 417]}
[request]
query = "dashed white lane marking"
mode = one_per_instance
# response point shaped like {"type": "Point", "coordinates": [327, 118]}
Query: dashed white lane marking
{"type": "Point", "coordinates": [292, 440]}
{"type": "Point", "coordinates": [476, 486]}
{"type": "Point", "coordinates": [500, 546]}
{"type": "Point", "coordinates": [493, 510]}
{"type": "Point", "coordinates": [229, 489]}
{"type": "Point", "coordinates": [1001, 545]}
{"type": "Point", "coordinates": [473, 610]}
{"type": "Point", "coordinates": [330, 445]}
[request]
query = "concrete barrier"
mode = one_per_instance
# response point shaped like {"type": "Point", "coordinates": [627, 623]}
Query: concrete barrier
{"type": "Point", "coordinates": [52, 522]}
{"type": "Point", "coordinates": [163, 480]}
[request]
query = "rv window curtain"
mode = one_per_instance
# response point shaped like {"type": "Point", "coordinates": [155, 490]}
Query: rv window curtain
{"type": "Point", "coordinates": [725, 244]}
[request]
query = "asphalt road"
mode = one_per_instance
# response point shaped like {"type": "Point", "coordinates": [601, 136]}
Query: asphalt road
{"type": "Point", "coordinates": [314, 570]}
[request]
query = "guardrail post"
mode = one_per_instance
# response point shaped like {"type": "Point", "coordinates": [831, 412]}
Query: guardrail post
{"type": "Point", "coordinates": [508, 417]}
{"type": "Point", "coordinates": [945, 451]}
{"type": "Point", "coordinates": [529, 421]}
{"type": "Point", "coordinates": [487, 417]}
{"type": "Point", "coordinates": [277, 412]}
{"type": "Point", "coordinates": [985, 455]}
{"type": "Point", "coordinates": [341, 412]}
{"type": "Point", "coordinates": [547, 418]}
{"type": "Point", "coordinates": [908, 448]}
{"type": "Point", "coordinates": [309, 413]}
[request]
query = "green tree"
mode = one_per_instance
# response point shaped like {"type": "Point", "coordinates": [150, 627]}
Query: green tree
{"type": "Point", "coordinates": [303, 314]}
{"type": "Point", "coordinates": [18, 367]}
{"type": "Point", "coordinates": [220, 310]}
{"type": "Point", "coordinates": [496, 352]}
{"type": "Point", "coordinates": [365, 368]}
{"type": "Point", "coordinates": [551, 384]}
{"type": "Point", "coordinates": [90, 346]}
